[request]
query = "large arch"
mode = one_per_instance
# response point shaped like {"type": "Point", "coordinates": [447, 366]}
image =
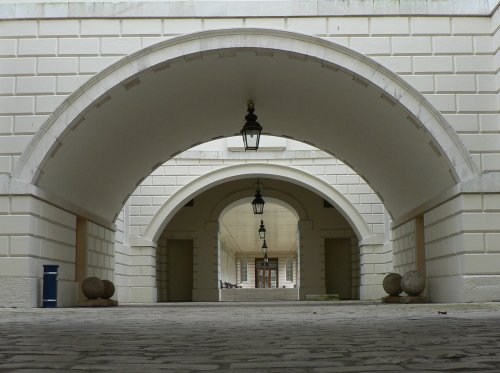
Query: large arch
{"type": "Point", "coordinates": [223, 175]}
{"type": "Point", "coordinates": [133, 116]}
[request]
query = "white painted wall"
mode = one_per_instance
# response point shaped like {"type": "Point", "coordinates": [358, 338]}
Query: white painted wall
{"type": "Point", "coordinates": [34, 233]}
{"type": "Point", "coordinates": [227, 264]}
{"type": "Point", "coordinates": [169, 178]}
{"type": "Point", "coordinates": [463, 249]}
{"type": "Point", "coordinates": [405, 251]}
{"type": "Point", "coordinates": [100, 252]}
{"type": "Point", "coordinates": [451, 57]}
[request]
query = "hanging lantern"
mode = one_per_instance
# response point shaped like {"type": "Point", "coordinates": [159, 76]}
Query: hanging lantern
{"type": "Point", "coordinates": [258, 202]}
{"type": "Point", "coordinates": [262, 231]}
{"type": "Point", "coordinates": [252, 129]}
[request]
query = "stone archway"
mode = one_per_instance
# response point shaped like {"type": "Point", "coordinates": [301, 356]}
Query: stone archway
{"type": "Point", "coordinates": [201, 222]}
{"type": "Point", "coordinates": [100, 132]}
{"type": "Point", "coordinates": [220, 176]}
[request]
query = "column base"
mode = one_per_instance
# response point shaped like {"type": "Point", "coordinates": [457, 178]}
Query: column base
{"type": "Point", "coordinates": [304, 292]}
{"type": "Point", "coordinates": [206, 295]}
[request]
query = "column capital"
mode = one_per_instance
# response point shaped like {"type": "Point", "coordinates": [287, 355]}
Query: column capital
{"type": "Point", "coordinates": [139, 241]}
{"type": "Point", "coordinates": [212, 226]}
{"type": "Point", "coordinates": [305, 225]}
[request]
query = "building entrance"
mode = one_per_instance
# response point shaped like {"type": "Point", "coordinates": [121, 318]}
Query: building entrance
{"type": "Point", "coordinates": [266, 274]}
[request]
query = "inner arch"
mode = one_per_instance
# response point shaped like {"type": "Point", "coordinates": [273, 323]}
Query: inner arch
{"type": "Point", "coordinates": [150, 106]}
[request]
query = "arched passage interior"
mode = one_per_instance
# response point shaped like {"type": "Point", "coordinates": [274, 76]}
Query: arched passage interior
{"type": "Point", "coordinates": [318, 222]}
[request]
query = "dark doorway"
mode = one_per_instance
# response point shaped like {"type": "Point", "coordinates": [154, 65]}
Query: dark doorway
{"type": "Point", "coordinates": [338, 267]}
{"type": "Point", "coordinates": [266, 274]}
{"type": "Point", "coordinates": [180, 270]}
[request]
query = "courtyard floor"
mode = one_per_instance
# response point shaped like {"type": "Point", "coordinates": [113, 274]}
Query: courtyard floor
{"type": "Point", "coordinates": [253, 337]}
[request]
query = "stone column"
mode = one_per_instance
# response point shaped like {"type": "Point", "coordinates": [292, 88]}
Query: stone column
{"type": "Point", "coordinates": [205, 264]}
{"type": "Point", "coordinates": [375, 260]}
{"type": "Point", "coordinates": [462, 249]}
{"type": "Point", "coordinates": [420, 244]}
{"type": "Point", "coordinates": [81, 254]}
{"type": "Point", "coordinates": [312, 261]}
{"type": "Point", "coordinates": [142, 271]}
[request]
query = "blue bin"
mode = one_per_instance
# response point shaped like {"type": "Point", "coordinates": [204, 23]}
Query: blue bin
{"type": "Point", "coordinates": [50, 285]}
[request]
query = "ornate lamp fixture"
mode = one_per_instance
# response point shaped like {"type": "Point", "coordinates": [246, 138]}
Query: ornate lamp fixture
{"type": "Point", "coordinates": [258, 202]}
{"type": "Point", "coordinates": [264, 250]}
{"type": "Point", "coordinates": [264, 247]}
{"type": "Point", "coordinates": [252, 129]}
{"type": "Point", "coordinates": [262, 231]}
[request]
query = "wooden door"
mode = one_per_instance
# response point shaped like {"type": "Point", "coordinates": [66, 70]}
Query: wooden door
{"type": "Point", "coordinates": [266, 274]}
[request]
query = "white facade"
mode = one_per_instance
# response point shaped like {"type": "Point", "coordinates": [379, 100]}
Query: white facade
{"type": "Point", "coordinates": [100, 103]}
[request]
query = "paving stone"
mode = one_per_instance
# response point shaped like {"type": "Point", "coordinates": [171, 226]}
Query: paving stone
{"type": "Point", "coordinates": [253, 337]}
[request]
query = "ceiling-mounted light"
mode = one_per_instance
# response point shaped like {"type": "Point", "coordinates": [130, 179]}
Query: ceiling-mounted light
{"type": "Point", "coordinates": [262, 230]}
{"type": "Point", "coordinates": [258, 202]}
{"type": "Point", "coordinates": [252, 129]}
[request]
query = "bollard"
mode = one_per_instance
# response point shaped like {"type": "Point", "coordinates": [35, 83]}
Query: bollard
{"type": "Point", "coordinates": [50, 285]}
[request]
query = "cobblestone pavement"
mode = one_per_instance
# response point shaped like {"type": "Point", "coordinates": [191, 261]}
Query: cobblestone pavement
{"type": "Point", "coordinates": [253, 337]}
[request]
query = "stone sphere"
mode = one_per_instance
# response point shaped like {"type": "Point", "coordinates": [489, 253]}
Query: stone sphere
{"type": "Point", "coordinates": [109, 289]}
{"type": "Point", "coordinates": [93, 287]}
{"type": "Point", "coordinates": [413, 283]}
{"type": "Point", "coordinates": [392, 284]}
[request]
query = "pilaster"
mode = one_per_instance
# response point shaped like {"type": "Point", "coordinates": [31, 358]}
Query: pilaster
{"type": "Point", "coordinates": [375, 259]}
{"type": "Point", "coordinates": [312, 260]}
{"type": "Point", "coordinates": [142, 275]}
{"type": "Point", "coordinates": [205, 264]}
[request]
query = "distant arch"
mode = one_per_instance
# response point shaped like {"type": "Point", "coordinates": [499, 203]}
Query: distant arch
{"type": "Point", "coordinates": [252, 170]}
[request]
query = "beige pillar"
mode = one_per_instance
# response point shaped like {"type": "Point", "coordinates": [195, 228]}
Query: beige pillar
{"type": "Point", "coordinates": [312, 261]}
{"type": "Point", "coordinates": [81, 254]}
{"type": "Point", "coordinates": [205, 264]}
{"type": "Point", "coordinates": [420, 244]}
{"type": "Point", "coordinates": [375, 260]}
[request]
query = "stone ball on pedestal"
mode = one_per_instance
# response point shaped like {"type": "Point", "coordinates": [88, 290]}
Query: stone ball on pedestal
{"type": "Point", "coordinates": [93, 287]}
{"type": "Point", "coordinates": [392, 284]}
{"type": "Point", "coordinates": [109, 289]}
{"type": "Point", "coordinates": [413, 283]}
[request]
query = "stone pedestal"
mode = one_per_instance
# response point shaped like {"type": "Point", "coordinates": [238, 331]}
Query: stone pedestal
{"type": "Point", "coordinates": [98, 303]}
{"type": "Point", "coordinates": [404, 299]}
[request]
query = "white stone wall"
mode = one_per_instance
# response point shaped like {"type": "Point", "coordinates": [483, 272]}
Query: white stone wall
{"type": "Point", "coordinates": [227, 264]}
{"type": "Point", "coordinates": [282, 260]}
{"type": "Point", "coordinates": [162, 280]}
{"type": "Point", "coordinates": [463, 248]}
{"type": "Point", "coordinates": [355, 268]}
{"type": "Point", "coordinates": [405, 250]}
{"type": "Point", "coordinates": [250, 283]}
{"type": "Point", "coordinates": [169, 178]}
{"type": "Point", "coordinates": [34, 233]}
{"type": "Point", "coordinates": [493, 126]}
{"type": "Point", "coordinates": [451, 59]}
{"type": "Point", "coordinates": [100, 252]}
{"type": "Point", "coordinates": [375, 259]}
